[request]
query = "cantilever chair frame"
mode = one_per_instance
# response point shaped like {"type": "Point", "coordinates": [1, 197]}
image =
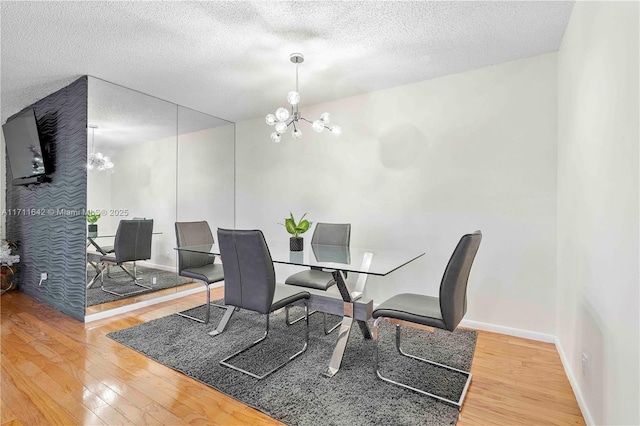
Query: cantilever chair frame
{"type": "Point", "coordinates": [260, 276]}
{"type": "Point", "coordinates": [228, 310]}
{"type": "Point", "coordinates": [453, 291]}
{"type": "Point", "coordinates": [263, 338]}
{"type": "Point", "coordinates": [374, 332]}
{"type": "Point", "coordinates": [134, 275]}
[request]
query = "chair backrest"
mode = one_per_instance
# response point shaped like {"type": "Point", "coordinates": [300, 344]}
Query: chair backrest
{"type": "Point", "coordinates": [193, 234]}
{"type": "Point", "coordinates": [453, 288]}
{"type": "Point", "coordinates": [133, 240]}
{"type": "Point", "coordinates": [249, 277]}
{"type": "Point", "coordinates": [332, 234]}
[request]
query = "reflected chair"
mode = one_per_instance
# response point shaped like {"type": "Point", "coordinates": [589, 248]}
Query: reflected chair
{"type": "Point", "coordinates": [444, 312]}
{"type": "Point", "coordinates": [329, 234]}
{"type": "Point", "coordinates": [110, 249]}
{"type": "Point", "coordinates": [198, 266]}
{"type": "Point", "coordinates": [250, 283]}
{"type": "Point", "coordinates": [132, 243]}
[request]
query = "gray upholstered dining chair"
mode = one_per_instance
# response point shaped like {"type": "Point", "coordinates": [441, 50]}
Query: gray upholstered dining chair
{"type": "Point", "coordinates": [250, 283]}
{"type": "Point", "coordinates": [132, 243]}
{"type": "Point", "coordinates": [330, 234]}
{"type": "Point", "coordinates": [198, 266]}
{"type": "Point", "coordinates": [444, 312]}
{"type": "Point", "coordinates": [111, 249]}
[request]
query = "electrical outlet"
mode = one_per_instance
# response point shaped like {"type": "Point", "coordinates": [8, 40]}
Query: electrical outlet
{"type": "Point", "coordinates": [43, 276]}
{"type": "Point", "coordinates": [153, 280]}
{"type": "Point", "coordinates": [585, 364]}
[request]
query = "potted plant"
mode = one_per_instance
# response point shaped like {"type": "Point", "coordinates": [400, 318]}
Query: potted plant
{"type": "Point", "coordinates": [92, 218]}
{"type": "Point", "coordinates": [7, 260]}
{"type": "Point", "coordinates": [296, 243]}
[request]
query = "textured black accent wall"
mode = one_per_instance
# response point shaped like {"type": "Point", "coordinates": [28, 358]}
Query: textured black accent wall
{"type": "Point", "coordinates": [54, 239]}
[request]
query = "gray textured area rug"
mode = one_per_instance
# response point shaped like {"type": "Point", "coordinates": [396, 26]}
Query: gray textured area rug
{"type": "Point", "coordinates": [298, 394]}
{"type": "Point", "coordinates": [120, 282]}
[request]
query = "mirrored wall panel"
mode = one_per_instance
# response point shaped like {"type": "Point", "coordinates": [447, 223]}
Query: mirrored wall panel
{"type": "Point", "coordinates": [150, 164]}
{"type": "Point", "coordinates": [206, 165]}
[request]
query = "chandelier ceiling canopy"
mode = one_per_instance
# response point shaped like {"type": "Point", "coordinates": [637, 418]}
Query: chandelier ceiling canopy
{"type": "Point", "coordinates": [282, 119]}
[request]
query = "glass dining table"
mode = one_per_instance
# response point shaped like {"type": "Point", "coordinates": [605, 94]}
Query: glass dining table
{"type": "Point", "coordinates": [341, 261]}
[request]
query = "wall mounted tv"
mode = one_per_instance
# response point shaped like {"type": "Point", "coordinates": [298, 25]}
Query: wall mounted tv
{"type": "Point", "coordinates": [30, 157]}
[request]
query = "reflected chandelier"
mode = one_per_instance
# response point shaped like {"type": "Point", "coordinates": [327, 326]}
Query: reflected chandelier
{"type": "Point", "coordinates": [96, 160]}
{"type": "Point", "coordinates": [283, 118]}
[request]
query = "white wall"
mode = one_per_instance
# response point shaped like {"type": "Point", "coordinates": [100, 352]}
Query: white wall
{"type": "Point", "coordinates": [3, 187]}
{"type": "Point", "coordinates": [144, 183]}
{"type": "Point", "coordinates": [205, 179]}
{"type": "Point", "coordinates": [598, 213]}
{"type": "Point", "coordinates": [416, 167]}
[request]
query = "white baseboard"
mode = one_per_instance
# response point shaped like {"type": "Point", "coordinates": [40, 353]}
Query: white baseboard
{"type": "Point", "coordinates": [142, 304]}
{"type": "Point", "coordinates": [510, 331]}
{"type": "Point", "coordinates": [582, 403]}
{"type": "Point", "coordinates": [153, 265]}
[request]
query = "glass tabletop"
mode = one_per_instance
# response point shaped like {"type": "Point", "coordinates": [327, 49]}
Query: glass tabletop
{"type": "Point", "coordinates": [350, 259]}
{"type": "Point", "coordinates": [112, 235]}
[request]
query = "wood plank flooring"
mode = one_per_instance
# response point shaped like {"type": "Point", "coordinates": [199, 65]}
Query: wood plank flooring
{"type": "Point", "coordinates": [55, 370]}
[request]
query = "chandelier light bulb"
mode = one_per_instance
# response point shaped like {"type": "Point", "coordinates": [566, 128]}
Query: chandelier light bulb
{"type": "Point", "coordinates": [293, 97]}
{"type": "Point", "coordinates": [275, 137]}
{"type": "Point", "coordinates": [270, 119]}
{"type": "Point", "coordinates": [282, 114]}
{"type": "Point", "coordinates": [336, 130]}
{"type": "Point", "coordinates": [318, 126]}
{"type": "Point", "coordinates": [297, 134]}
{"type": "Point", "coordinates": [98, 155]}
{"type": "Point", "coordinates": [90, 165]}
{"type": "Point", "coordinates": [281, 127]}
{"type": "Point", "coordinates": [325, 117]}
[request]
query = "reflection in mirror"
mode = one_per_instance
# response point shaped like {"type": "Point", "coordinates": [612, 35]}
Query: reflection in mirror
{"type": "Point", "coordinates": [169, 163]}
{"type": "Point", "coordinates": [206, 168]}
{"type": "Point", "coordinates": [136, 133]}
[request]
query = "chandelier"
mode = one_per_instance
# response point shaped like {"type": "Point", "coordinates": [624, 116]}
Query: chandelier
{"type": "Point", "coordinates": [282, 119]}
{"type": "Point", "coordinates": [96, 160]}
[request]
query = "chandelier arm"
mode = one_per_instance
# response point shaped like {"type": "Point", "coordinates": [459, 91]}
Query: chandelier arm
{"type": "Point", "coordinates": [302, 118]}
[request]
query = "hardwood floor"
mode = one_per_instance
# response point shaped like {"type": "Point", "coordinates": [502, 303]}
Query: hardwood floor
{"type": "Point", "coordinates": [56, 370]}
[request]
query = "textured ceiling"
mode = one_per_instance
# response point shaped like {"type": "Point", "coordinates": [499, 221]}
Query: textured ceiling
{"type": "Point", "coordinates": [231, 59]}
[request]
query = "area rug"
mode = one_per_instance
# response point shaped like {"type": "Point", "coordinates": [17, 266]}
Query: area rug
{"type": "Point", "coordinates": [298, 394]}
{"type": "Point", "coordinates": [122, 283]}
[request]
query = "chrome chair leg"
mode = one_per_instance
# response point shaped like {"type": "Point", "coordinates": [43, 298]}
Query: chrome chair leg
{"type": "Point", "coordinates": [263, 338]}
{"type": "Point", "coordinates": [327, 330]}
{"type": "Point", "coordinates": [135, 281]}
{"type": "Point", "coordinates": [208, 304]}
{"type": "Point", "coordinates": [458, 403]}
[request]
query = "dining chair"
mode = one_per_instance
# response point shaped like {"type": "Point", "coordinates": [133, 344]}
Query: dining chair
{"type": "Point", "coordinates": [250, 283]}
{"type": "Point", "coordinates": [443, 312]}
{"type": "Point", "coordinates": [111, 249]}
{"type": "Point", "coordinates": [132, 242]}
{"type": "Point", "coordinates": [200, 267]}
{"type": "Point", "coordinates": [329, 234]}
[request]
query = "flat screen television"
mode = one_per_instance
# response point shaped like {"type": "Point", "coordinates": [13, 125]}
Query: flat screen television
{"type": "Point", "coordinates": [29, 157]}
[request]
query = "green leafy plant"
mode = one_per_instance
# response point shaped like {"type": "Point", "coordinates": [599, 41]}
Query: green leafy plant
{"type": "Point", "coordinates": [92, 217]}
{"type": "Point", "coordinates": [298, 228]}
